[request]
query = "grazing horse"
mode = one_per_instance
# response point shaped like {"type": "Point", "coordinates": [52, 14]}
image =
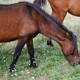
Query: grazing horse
{"type": "Point", "coordinates": [61, 7]}
{"type": "Point", "coordinates": [23, 21]}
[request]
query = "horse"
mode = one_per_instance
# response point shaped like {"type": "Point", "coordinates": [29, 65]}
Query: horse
{"type": "Point", "coordinates": [23, 21]}
{"type": "Point", "coordinates": [60, 9]}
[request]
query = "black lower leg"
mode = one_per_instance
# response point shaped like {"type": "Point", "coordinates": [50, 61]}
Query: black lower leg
{"type": "Point", "coordinates": [14, 62]}
{"type": "Point", "coordinates": [16, 54]}
{"type": "Point", "coordinates": [49, 42]}
{"type": "Point", "coordinates": [31, 53]}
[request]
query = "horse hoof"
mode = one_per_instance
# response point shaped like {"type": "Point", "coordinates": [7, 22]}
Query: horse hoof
{"type": "Point", "coordinates": [33, 65]}
{"type": "Point", "coordinates": [50, 44]}
{"type": "Point", "coordinates": [10, 70]}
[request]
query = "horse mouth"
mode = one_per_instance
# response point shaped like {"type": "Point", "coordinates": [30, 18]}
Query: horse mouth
{"type": "Point", "coordinates": [74, 63]}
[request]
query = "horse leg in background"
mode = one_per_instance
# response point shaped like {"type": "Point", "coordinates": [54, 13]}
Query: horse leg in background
{"type": "Point", "coordinates": [49, 42]}
{"type": "Point", "coordinates": [42, 3]}
{"type": "Point", "coordinates": [60, 18]}
{"type": "Point", "coordinates": [17, 53]}
{"type": "Point", "coordinates": [31, 53]}
{"type": "Point", "coordinates": [58, 13]}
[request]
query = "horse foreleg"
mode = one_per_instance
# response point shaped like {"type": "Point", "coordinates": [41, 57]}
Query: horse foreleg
{"type": "Point", "coordinates": [31, 53]}
{"type": "Point", "coordinates": [18, 49]}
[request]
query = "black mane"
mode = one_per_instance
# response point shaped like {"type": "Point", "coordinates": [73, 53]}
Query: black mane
{"type": "Point", "coordinates": [50, 17]}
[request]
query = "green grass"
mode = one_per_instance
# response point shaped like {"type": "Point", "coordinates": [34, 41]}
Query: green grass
{"type": "Point", "coordinates": [51, 62]}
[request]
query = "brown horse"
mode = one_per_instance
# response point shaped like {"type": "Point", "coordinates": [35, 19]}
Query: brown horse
{"type": "Point", "coordinates": [61, 7]}
{"type": "Point", "coordinates": [23, 21]}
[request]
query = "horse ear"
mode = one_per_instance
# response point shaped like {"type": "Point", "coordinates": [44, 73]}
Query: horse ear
{"type": "Point", "coordinates": [68, 35]}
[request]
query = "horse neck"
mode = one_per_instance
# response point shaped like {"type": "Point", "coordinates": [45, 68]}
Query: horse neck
{"type": "Point", "coordinates": [48, 27]}
{"type": "Point", "coordinates": [51, 30]}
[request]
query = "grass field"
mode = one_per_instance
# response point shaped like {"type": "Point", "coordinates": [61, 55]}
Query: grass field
{"type": "Point", "coordinates": [51, 63]}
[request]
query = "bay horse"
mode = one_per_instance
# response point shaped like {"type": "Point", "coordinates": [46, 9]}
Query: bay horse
{"type": "Point", "coordinates": [23, 21]}
{"type": "Point", "coordinates": [61, 7]}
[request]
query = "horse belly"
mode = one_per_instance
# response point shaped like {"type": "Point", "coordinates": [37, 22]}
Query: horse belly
{"type": "Point", "coordinates": [74, 7]}
{"type": "Point", "coordinates": [7, 36]}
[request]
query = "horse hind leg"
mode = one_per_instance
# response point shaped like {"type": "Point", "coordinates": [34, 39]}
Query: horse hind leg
{"type": "Point", "coordinates": [17, 53]}
{"type": "Point", "coordinates": [49, 42]}
{"type": "Point", "coordinates": [31, 53]}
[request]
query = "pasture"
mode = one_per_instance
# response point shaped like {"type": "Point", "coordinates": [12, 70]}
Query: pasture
{"type": "Point", "coordinates": [51, 62]}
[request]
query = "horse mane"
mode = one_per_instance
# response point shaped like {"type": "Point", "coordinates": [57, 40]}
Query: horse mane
{"type": "Point", "coordinates": [50, 17]}
{"type": "Point", "coordinates": [40, 2]}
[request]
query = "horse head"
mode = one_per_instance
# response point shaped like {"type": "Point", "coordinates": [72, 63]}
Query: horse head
{"type": "Point", "coordinates": [70, 49]}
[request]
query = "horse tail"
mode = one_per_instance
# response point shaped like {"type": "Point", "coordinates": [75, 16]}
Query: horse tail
{"type": "Point", "coordinates": [40, 2]}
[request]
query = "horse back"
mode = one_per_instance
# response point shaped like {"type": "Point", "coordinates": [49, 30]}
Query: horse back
{"type": "Point", "coordinates": [15, 20]}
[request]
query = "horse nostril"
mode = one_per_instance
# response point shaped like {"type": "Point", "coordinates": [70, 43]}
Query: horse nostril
{"type": "Point", "coordinates": [72, 64]}
{"type": "Point", "coordinates": [79, 62]}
